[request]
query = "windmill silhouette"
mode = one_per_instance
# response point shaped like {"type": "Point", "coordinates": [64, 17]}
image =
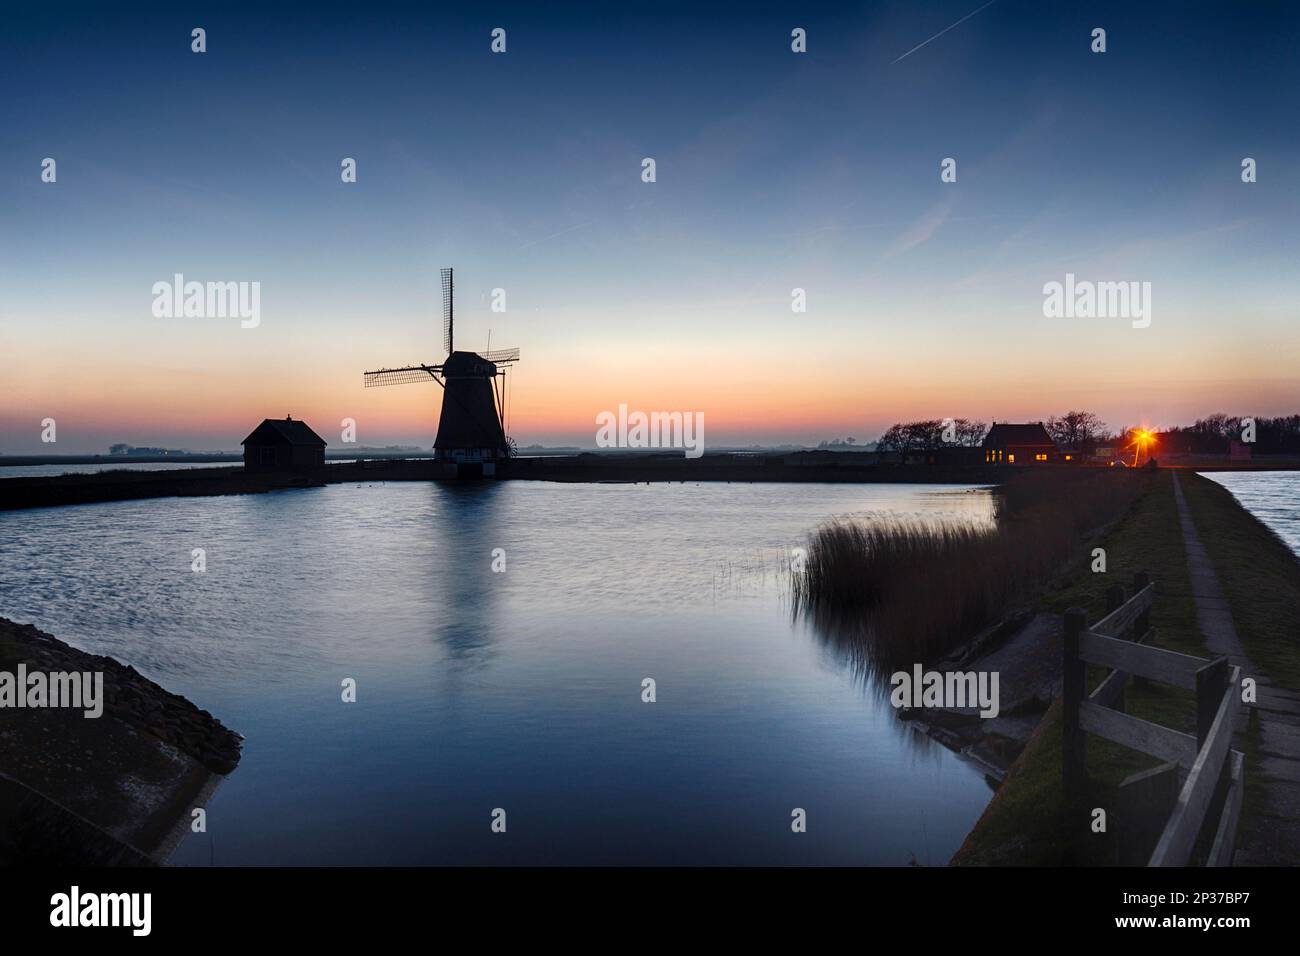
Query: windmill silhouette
{"type": "Point", "coordinates": [471, 427]}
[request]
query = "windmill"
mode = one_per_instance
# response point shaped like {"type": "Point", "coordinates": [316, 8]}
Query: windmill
{"type": "Point", "coordinates": [472, 425]}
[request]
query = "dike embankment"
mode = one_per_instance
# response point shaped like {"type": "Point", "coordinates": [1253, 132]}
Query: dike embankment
{"type": "Point", "coordinates": [112, 789]}
{"type": "Point", "coordinates": [1216, 568]}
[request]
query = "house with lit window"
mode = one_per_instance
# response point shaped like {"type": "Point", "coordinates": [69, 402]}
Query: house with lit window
{"type": "Point", "coordinates": [1021, 444]}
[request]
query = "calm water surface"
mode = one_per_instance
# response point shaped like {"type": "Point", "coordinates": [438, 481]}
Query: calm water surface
{"type": "Point", "coordinates": [1271, 496]}
{"type": "Point", "coordinates": [519, 690]}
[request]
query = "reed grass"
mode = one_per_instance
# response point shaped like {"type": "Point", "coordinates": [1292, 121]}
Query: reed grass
{"type": "Point", "coordinates": [893, 591]}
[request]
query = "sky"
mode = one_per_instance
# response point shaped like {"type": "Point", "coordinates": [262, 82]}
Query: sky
{"type": "Point", "coordinates": [774, 171]}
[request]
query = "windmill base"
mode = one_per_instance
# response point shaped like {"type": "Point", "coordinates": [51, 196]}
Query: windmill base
{"type": "Point", "coordinates": [475, 470]}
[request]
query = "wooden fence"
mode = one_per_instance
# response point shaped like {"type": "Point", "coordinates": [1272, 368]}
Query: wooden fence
{"type": "Point", "coordinates": [1161, 811]}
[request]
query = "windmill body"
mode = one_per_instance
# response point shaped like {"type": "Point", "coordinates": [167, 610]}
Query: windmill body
{"type": "Point", "coordinates": [471, 427]}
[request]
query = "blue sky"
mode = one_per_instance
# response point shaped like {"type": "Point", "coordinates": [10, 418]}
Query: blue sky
{"type": "Point", "coordinates": [774, 170]}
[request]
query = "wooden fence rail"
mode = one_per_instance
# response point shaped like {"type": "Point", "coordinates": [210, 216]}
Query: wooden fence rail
{"type": "Point", "coordinates": [1203, 777]}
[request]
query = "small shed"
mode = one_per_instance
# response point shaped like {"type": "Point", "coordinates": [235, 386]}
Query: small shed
{"type": "Point", "coordinates": [283, 444]}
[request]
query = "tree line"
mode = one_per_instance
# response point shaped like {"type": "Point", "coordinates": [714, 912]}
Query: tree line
{"type": "Point", "coordinates": [1080, 430]}
{"type": "Point", "coordinates": [1084, 431]}
{"type": "Point", "coordinates": [1214, 433]}
{"type": "Point", "coordinates": [933, 433]}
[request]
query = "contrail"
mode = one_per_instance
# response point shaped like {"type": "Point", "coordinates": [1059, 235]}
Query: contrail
{"type": "Point", "coordinates": [944, 30]}
{"type": "Point", "coordinates": [534, 242]}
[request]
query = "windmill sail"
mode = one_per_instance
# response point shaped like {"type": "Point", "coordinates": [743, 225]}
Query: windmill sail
{"type": "Point", "coordinates": [402, 376]}
{"type": "Point", "coordinates": [448, 309]}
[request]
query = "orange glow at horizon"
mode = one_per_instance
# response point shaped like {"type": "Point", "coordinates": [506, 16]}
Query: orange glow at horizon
{"type": "Point", "coordinates": [751, 396]}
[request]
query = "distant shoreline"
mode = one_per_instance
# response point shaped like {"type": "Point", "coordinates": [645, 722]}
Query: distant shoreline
{"type": "Point", "coordinates": [125, 485]}
{"type": "Point", "coordinates": [19, 461]}
{"type": "Point", "coordinates": [27, 461]}
{"type": "Point", "coordinates": [799, 467]}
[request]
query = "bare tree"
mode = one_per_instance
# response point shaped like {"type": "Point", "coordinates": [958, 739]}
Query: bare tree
{"type": "Point", "coordinates": [912, 436]}
{"type": "Point", "coordinates": [1219, 425]}
{"type": "Point", "coordinates": [924, 435]}
{"type": "Point", "coordinates": [970, 434]}
{"type": "Point", "coordinates": [1075, 429]}
{"type": "Point", "coordinates": [929, 434]}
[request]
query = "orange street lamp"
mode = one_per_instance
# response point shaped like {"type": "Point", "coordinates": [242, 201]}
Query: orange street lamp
{"type": "Point", "coordinates": [1142, 441]}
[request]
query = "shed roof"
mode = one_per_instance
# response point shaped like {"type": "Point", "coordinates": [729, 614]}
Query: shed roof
{"type": "Point", "coordinates": [283, 431]}
{"type": "Point", "coordinates": [1030, 433]}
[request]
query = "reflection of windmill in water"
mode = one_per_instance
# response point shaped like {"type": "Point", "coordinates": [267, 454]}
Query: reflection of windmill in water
{"type": "Point", "coordinates": [471, 428]}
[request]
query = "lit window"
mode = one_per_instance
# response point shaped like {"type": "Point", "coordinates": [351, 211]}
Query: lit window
{"type": "Point", "coordinates": [1040, 457]}
{"type": "Point", "coordinates": [1011, 457]}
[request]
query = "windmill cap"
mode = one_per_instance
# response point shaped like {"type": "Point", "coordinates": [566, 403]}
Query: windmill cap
{"type": "Point", "coordinates": [467, 363]}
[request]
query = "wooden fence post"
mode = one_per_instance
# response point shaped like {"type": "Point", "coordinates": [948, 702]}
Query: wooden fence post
{"type": "Point", "coordinates": [1211, 682]}
{"type": "Point", "coordinates": [1074, 742]}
